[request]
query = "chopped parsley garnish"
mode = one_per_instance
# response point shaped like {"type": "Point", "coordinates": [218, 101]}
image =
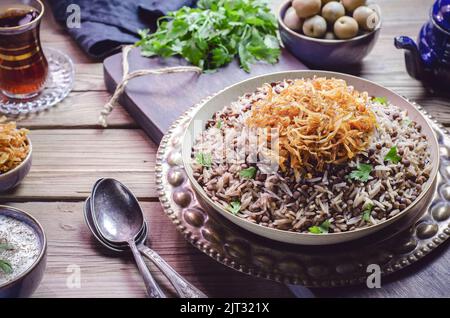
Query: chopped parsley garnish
{"type": "Point", "coordinates": [361, 173]}
{"type": "Point", "coordinates": [407, 121]}
{"type": "Point", "coordinates": [322, 228]}
{"type": "Point", "coordinates": [219, 124]}
{"type": "Point", "coordinates": [248, 173]}
{"type": "Point", "coordinates": [6, 247]}
{"type": "Point", "coordinates": [204, 159]}
{"type": "Point", "coordinates": [5, 267]}
{"type": "Point", "coordinates": [392, 156]}
{"type": "Point", "coordinates": [367, 211]}
{"type": "Point", "coordinates": [234, 207]}
{"type": "Point", "coordinates": [381, 100]}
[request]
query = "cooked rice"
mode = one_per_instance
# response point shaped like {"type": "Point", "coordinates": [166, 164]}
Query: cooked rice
{"type": "Point", "coordinates": [279, 199]}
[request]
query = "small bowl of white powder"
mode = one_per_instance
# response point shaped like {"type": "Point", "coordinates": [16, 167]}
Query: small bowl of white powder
{"type": "Point", "coordinates": [23, 249]}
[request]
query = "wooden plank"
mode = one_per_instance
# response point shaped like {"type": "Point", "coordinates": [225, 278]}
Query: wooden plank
{"type": "Point", "coordinates": [78, 110]}
{"type": "Point", "coordinates": [89, 77]}
{"type": "Point", "coordinates": [67, 162]}
{"type": "Point", "coordinates": [106, 274]}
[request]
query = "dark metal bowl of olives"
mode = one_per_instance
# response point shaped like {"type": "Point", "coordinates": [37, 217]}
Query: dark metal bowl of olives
{"type": "Point", "coordinates": [329, 34]}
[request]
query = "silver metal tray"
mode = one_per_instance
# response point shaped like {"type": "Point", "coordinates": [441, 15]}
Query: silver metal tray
{"type": "Point", "coordinates": [396, 247]}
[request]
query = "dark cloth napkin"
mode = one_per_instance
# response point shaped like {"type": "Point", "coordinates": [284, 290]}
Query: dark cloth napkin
{"type": "Point", "coordinates": [106, 24]}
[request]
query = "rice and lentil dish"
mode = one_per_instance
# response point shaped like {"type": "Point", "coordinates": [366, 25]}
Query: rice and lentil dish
{"type": "Point", "coordinates": [344, 160]}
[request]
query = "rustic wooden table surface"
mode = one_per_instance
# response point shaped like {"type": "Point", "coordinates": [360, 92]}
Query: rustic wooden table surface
{"type": "Point", "coordinates": [71, 152]}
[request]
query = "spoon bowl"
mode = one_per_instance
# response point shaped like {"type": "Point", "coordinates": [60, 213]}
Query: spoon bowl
{"type": "Point", "coordinates": [116, 211]}
{"type": "Point", "coordinates": [123, 247]}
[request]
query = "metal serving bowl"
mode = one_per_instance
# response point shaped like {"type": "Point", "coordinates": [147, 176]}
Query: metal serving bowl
{"type": "Point", "coordinates": [230, 94]}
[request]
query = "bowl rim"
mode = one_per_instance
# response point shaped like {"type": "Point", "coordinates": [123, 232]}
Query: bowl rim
{"type": "Point", "coordinates": [27, 158]}
{"type": "Point", "coordinates": [43, 245]}
{"type": "Point", "coordinates": [199, 189]}
{"type": "Point", "coordinates": [283, 7]}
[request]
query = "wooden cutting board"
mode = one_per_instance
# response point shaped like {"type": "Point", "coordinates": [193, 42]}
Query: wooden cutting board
{"type": "Point", "coordinates": [156, 101]}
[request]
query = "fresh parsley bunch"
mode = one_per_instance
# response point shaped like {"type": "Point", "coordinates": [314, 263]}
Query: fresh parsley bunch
{"type": "Point", "coordinates": [212, 34]}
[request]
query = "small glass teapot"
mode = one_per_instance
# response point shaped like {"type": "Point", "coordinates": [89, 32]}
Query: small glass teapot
{"type": "Point", "coordinates": [429, 60]}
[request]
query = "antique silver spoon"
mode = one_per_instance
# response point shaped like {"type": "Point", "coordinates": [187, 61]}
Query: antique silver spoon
{"type": "Point", "coordinates": [118, 219]}
{"type": "Point", "coordinates": [181, 285]}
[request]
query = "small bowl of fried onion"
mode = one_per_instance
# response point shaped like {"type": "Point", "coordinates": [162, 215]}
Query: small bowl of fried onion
{"type": "Point", "coordinates": [15, 155]}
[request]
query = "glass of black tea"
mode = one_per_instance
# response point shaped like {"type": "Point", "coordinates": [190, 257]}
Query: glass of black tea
{"type": "Point", "coordinates": [23, 66]}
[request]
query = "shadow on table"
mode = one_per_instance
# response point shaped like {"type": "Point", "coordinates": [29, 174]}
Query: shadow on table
{"type": "Point", "coordinates": [217, 280]}
{"type": "Point", "coordinates": [429, 277]}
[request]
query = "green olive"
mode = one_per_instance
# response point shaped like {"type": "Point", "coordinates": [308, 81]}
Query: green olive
{"type": "Point", "coordinates": [345, 27]}
{"type": "Point", "coordinates": [330, 36]}
{"type": "Point", "coordinates": [315, 26]}
{"type": "Point", "coordinates": [306, 8]}
{"type": "Point", "coordinates": [292, 20]}
{"type": "Point", "coordinates": [351, 5]}
{"type": "Point", "coordinates": [366, 17]}
{"type": "Point", "coordinates": [333, 11]}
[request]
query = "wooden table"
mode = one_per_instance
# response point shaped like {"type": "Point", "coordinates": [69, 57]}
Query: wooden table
{"type": "Point", "coordinates": [71, 151]}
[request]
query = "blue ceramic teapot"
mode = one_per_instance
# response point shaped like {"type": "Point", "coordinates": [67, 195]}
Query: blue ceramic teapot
{"type": "Point", "coordinates": [429, 60]}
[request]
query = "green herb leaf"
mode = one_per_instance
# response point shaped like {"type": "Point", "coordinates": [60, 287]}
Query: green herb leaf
{"type": "Point", "coordinates": [367, 211]}
{"type": "Point", "coordinates": [6, 247]}
{"type": "Point", "coordinates": [392, 156]}
{"type": "Point", "coordinates": [361, 173]}
{"type": "Point", "coordinates": [366, 216]}
{"type": "Point", "coordinates": [219, 124]}
{"type": "Point", "coordinates": [322, 228]}
{"type": "Point", "coordinates": [325, 225]}
{"type": "Point", "coordinates": [234, 207]}
{"type": "Point", "coordinates": [204, 159]}
{"type": "Point", "coordinates": [212, 34]}
{"type": "Point", "coordinates": [248, 173]}
{"type": "Point", "coordinates": [407, 121]}
{"type": "Point", "coordinates": [5, 267]}
{"type": "Point", "coordinates": [315, 229]}
{"type": "Point", "coordinates": [381, 100]}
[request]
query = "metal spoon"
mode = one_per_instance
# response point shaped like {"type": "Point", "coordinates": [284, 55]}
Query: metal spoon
{"type": "Point", "coordinates": [181, 285]}
{"type": "Point", "coordinates": [118, 218]}
{"type": "Point", "coordinates": [114, 247]}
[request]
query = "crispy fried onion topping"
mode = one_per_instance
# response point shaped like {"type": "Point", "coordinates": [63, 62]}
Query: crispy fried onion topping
{"type": "Point", "coordinates": [14, 145]}
{"type": "Point", "coordinates": [320, 121]}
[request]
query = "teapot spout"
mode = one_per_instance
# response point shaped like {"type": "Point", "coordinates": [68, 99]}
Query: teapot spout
{"type": "Point", "coordinates": [413, 59]}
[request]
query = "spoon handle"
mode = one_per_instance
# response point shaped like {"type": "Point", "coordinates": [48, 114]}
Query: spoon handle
{"type": "Point", "coordinates": [181, 285]}
{"type": "Point", "coordinates": [153, 290]}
